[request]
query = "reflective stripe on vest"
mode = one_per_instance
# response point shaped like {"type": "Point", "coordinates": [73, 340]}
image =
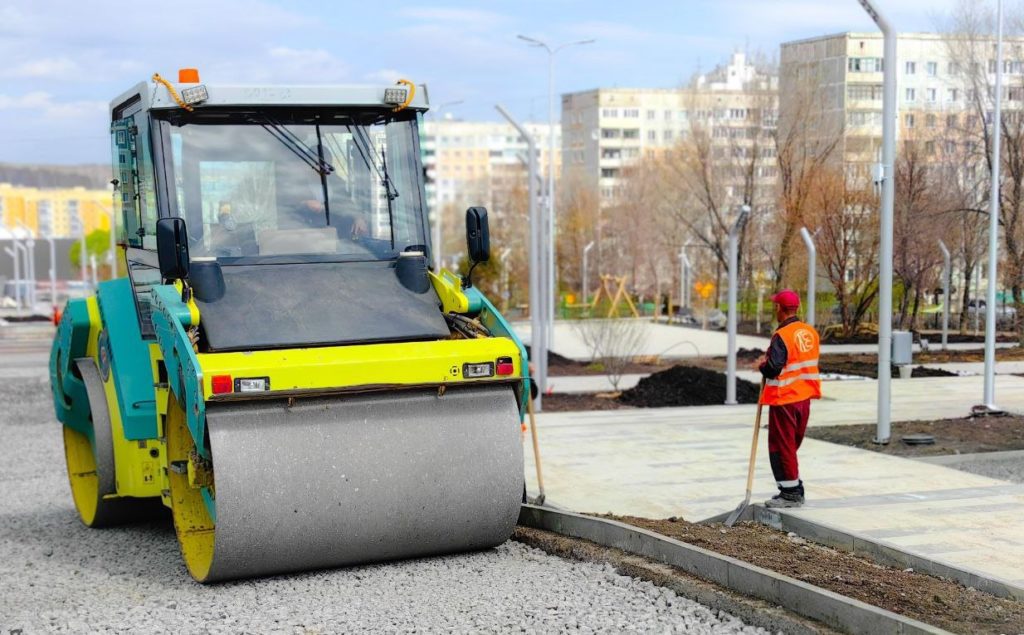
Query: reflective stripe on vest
{"type": "Point", "coordinates": [799, 379]}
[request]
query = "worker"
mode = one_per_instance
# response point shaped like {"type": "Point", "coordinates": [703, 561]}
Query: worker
{"type": "Point", "coordinates": [790, 370]}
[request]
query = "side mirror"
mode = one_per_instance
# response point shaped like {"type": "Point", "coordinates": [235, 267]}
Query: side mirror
{"type": "Point", "coordinates": [478, 236]}
{"type": "Point", "coordinates": [172, 248]}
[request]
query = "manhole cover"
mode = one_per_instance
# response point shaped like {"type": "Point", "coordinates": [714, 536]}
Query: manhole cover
{"type": "Point", "coordinates": [918, 439]}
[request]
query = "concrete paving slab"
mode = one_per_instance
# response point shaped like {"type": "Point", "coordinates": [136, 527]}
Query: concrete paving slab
{"type": "Point", "coordinates": [692, 462]}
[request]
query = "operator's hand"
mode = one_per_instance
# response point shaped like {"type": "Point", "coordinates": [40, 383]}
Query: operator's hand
{"type": "Point", "coordinates": [359, 228]}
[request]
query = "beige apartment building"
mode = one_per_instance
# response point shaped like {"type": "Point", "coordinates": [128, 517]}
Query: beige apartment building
{"type": "Point", "coordinates": [474, 162]}
{"type": "Point", "coordinates": [606, 130]}
{"type": "Point", "coordinates": [831, 86]}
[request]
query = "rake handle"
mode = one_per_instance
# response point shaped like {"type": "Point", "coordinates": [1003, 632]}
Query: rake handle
{"type": "Point", "coordinates": [753, 443]}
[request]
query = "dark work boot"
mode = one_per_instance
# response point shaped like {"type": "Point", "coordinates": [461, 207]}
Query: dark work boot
{"type": "Point", "coordinates": [787, 497]}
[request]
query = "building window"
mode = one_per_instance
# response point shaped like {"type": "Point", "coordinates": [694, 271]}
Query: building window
{"type": "Point", "coordinates": [667, 135]}
{"type": "Point", "coordinates": [610, 133]}
{"type": "Point", "coordinates": [911, 94]}
{"type": "Point", "coordinates": [910, 68]}
{"type": "Point", "coordinates": [611, 153]}
{"type": "Point", "coordinates": [908, 120]}
{"type": "Point", "coordinates": [737, 113]}
{"type": "Point", "coordinates": [931, 120]}
{"type": "Point", "coordinates": [610, 112]}
{"type": "Point", "coordinates": [652, 135]}
{"type": "Point", "coordinates": [609, 173]}
{"type": "Point", "coordinates": [953, 68]}
{"type": "Point", "coordinates": [631, 113]}
{"type": "Point", "coordinates": [864, 64]}
{"type": "Point", "coordinates": [651, 114]}
{"type": "Point", "coordinates": [932, 95]}
{"type": "Point", "coordinates": [929, 147]}
{"type": "Point", "coordinates": [950, 147]}
{"type": "Point", "coordinates": [932, 68]}
{"type": "Point", "coordinates": [952, 94]}
{"type": "Point", "coordinates": [668, 115]}
{"type": "Point", "coordinates": [631, 133]}
{"type": "Point", "coordinates": [864, 91]}
{"type": "Point", "coordinates": [951, 121]}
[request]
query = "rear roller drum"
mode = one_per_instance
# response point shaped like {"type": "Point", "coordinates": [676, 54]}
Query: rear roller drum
{"type": "Point", "coordinates": [91, 464]}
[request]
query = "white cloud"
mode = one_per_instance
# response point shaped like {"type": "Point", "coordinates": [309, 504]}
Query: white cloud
{"type": "Point", "coordinates": [43, 103]}
{"type": "Point", "coordinates": [45, 68]}
{"type": "Point", "coordinates": [384, 76]}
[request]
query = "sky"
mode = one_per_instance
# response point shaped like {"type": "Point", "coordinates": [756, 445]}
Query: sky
{"type": "Point", "coordinates": [64, 60]}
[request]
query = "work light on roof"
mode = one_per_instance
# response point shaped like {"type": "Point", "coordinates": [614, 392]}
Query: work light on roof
{"type": "Point", "coordinates": [194, 94]}
{"type": "Point", "coordinates": [395, 95]}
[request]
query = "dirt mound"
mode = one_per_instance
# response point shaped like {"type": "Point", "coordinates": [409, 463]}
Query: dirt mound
{"type": "Point", "coordinates": [749, 354]}
{"type": "Point", "coordinates": [870, 369]}
{"type": "Point", "coordinates": [559, 361]}
{"type": "Point", "coordinates": [685, 386]}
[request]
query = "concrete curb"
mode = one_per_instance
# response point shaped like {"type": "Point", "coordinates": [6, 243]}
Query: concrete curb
{"type": "Point", "coordinates": [881, 552]}
{"type": "Point", "coordinates": [832, 609]}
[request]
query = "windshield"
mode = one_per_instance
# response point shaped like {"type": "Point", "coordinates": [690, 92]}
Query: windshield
{"type": "Point", "coordinates": [293, 187]}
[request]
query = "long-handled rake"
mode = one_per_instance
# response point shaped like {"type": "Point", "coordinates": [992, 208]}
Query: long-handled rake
{"type": "Point", "coordinates": [734, 516]}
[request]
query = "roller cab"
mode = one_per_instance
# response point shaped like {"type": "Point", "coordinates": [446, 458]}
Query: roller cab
{"type": "Point", "coordinates": [281, 367]}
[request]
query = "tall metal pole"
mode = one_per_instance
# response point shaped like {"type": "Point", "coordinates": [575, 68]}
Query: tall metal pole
{"type": "Point", "coordinates": [812, 271]}
{"type": "Point", "coordinates": [15, 253]}
{"type": "Point", "coordinates": [538, 307]}
{"type": "Point", "coordinates": [95, 277]}
{"type": "Point", "coordinates": [730, 372]}
{"type": "Point", "coordinates": [946, 273]}
{"type": "Point", "coordinates": [53, 273]}
{"type": "Point", "coordinates": [30, 264]}
{"type": "Point", "coordinates": [552, 288]}
{"type": "Point", "coordinates": [82, 265]}
{"type": "Point", "coordinates": [993, 227]}
{"type": "Point", "coordinates": [684, 278]}
{"type": "Point", "coordinates": [886, 173]}
{"type": "Point", "coordinates": [584, 275]}
{"type": "Point", "coordinates": [25, 298]}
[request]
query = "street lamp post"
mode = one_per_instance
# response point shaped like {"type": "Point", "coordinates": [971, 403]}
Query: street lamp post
{"type": "Point", "coordinates": [584, 278]}
{"type": "Point", "coordinates": [14, 251]}
{"type": "Point", "coordinates": [53, 273]}
{"type": "Point", "coordinates": [946, 271]}
{"type": "Point", "coordinates": [30, 264]}
{"type": "Point", "coordinates": [734, 232]}
{"type": "Point", "coordinates": [885, 174]}
{"type": "Point", "coordinates": [685, 269]}
{"type": "Point", "coordinates": [552, 51]}
{"type": "Point", "coordinates": [989, 405]}
{"type": "Point", "coordinates": [812, 270]}
{"type": "Point", "coordinates": [538, 308]}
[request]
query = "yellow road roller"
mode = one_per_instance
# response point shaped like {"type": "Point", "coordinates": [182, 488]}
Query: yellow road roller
{"type": "Point", "coordinates": [281, 367]}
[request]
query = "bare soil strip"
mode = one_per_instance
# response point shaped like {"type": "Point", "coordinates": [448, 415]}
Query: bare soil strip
{"type": "Point", "coordinates": [932, 600]}
{"type": "Point", "coordinates": [952, 436]}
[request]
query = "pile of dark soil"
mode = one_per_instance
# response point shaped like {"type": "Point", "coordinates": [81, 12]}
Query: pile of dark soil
{"type": "Point", "coordinates": [952, 436]}
{"type": "Point", "coordinates": [922, 597]}
{"type": "Point", "coordinates": [867, 368]}
{"type": "Point", "coordinates": [28, 318]}
{"type": "Point", "coordinates": [685, 386]}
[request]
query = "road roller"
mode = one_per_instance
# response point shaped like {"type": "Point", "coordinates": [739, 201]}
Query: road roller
{"type": "Point", "coordinates": [280, 365]}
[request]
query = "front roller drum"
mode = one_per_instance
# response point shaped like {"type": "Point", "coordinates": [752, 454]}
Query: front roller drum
{"type": "Point", "coordinates": [340, 481]}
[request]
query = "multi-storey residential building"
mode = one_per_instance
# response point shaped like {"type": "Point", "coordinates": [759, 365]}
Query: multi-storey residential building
{"type": "Point", "coordinates": [58, 213]}
{"type": "Point", "coordinates": [831, 87]}
{"type": "Point", "coordinates": [470, 162]}
{"type": "Point", "coordinates": [605, 130]}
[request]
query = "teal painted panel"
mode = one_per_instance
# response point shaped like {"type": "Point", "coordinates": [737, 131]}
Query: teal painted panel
{"type": "Point", "coordinates": [128, 359]}
{"type": "Point", "coordinates": [70, 401]}
{"type": "Point", "coordinates": [185, 377]}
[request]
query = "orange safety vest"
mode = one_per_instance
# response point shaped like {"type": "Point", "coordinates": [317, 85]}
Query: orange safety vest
{"type": "Point", "coordinates": [799, 379]}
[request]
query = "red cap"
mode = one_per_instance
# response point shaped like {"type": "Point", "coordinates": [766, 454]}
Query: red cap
{"type": "Point", "coordinates": [787, 299]}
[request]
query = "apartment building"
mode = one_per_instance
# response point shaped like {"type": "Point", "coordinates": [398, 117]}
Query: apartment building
{"type": "Point", "coordinates": [57, 213]}
{"type": "Point", "coordinates": [474, 162]}
{"type": "Point", "coordinates": [606, 130]}
{"type": "Point", "coordinates": [831, 86]}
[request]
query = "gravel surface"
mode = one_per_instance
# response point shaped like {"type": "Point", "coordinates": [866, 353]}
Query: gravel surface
{"type": "Point", "coordinates": [1008, 466]}
{"type": "Point", "coordinates": [58, 576]}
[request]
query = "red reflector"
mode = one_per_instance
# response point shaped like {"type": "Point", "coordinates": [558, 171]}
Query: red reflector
{"type": "Point", "coordinates": [504, 366]}
{"type": "Point", "coordinates": [221, 384]}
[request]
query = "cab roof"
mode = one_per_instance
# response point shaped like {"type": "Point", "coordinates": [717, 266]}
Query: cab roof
{"type": "Point", "coordinates": [155, 96]}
